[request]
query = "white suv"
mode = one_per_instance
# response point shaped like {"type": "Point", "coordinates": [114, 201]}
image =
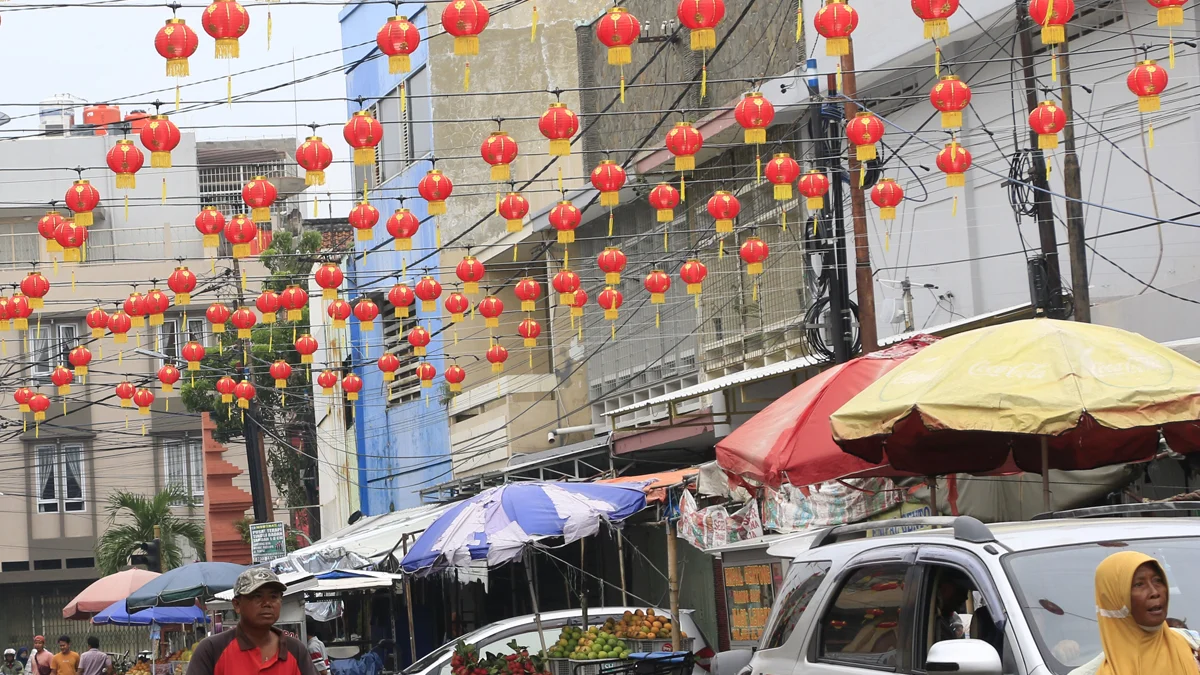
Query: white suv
{"type": "Point", "coordinates": [964, 597]}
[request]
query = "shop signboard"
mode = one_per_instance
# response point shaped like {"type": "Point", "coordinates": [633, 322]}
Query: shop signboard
{"type": "Point", "coordinates": [749, 594]}
{"type": "Point", "coordinates": [267, 541]}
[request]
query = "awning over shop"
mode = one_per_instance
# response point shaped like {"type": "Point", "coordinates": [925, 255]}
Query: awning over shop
{"type": "Point", "coordinates": [361, 543]}
{"type": "Point", "coordinates": [657, 484]}
{"type": "Point", "coordinates": [333, 582]}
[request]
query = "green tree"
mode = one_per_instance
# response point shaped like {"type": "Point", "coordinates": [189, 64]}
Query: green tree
{"type": "Point", "coordinates": [139, 514]}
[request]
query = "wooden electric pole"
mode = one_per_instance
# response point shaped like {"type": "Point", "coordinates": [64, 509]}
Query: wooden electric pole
{"type": "Point", "coordinates": [1073, 189]}
{"type": "Point", "coordinates": [863, 279]}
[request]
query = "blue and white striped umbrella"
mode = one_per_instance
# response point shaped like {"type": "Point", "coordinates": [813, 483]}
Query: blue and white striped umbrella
{"type": "Point", "coordinates": [499, 523]}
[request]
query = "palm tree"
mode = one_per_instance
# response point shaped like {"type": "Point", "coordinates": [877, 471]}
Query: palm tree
{"type": "Point", "coordinates": [139, 514]}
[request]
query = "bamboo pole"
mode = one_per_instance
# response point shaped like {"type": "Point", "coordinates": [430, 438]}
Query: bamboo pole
{"type": "Point", "coordinates": [537, 615]}
{"type": "Point", "coordinates": [621, 558]}
{"type": "Point", "coordinates": [673, 581]}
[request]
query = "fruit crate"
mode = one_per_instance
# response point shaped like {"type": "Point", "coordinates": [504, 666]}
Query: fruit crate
{"type": "Point", "coordinates": [560, 666]}
{"type": "Point", "coordinates": [662, 645]}
{"type": "Point", "coordinates": [596, 667]}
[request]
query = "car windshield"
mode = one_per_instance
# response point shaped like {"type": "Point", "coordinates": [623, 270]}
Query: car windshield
{"type": "Point", "coordinates": [1056, 588]}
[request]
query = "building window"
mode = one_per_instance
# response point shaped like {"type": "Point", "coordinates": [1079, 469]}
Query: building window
{"type": "Point", "coordinates": [184, 461]}
{"type": "Point", "coordinates": [49, 345]}
{"type": "Point", "coordinates": [168, 340]}
{"type": "Point", "coordinates": [407, 132]}
{"type": "Point", "coordinates": [60, 478]}
{"type": "Point", "coordinates": [407, 386]}
{"type": "Point", "coordinates": [196, 332]}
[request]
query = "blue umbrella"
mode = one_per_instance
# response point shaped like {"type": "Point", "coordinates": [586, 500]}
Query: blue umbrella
{"type": "Point", "coordinates": [185, 585]}
{"type": "Point", "coordinates": [498, 524]}
{"type": "Point", "coordinates": [117, 615]}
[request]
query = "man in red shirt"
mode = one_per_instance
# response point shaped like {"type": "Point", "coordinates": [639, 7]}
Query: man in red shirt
{"type": "Point", "coordinates": [255, 646]}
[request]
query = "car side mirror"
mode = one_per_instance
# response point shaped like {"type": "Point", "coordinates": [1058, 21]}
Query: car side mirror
{"type": "Point", "coordinates": [965, 657]}
{"type": "Point", "coordinates": [731, 662]}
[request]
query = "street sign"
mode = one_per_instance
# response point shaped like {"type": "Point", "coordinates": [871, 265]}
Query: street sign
{"type": "Point", "coordinates": [267, 541]}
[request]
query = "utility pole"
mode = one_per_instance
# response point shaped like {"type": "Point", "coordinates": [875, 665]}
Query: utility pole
{"type": "Point", "coordinates": [828, 155]}
{"type": "Point", "coordinates": [863, 279]}
{"type": "Point", "coordinates": [1073, 189]}
{"type": "Point", "coordinates": [256, 456]}
{"type": "Point", "coordinates": [1041, 198]}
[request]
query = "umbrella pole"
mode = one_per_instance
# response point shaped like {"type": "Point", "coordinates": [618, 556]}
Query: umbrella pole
{"type": "Point", "coordinates": [1046, 473]}
{"type": "Point", "coordinates": [408, 603]}
{"type": "Point", "coordinates": [621, 559]}
{"type": "Point", "coordinates": [673, 581]}
{"type": "Point", "coordinates": [537, 615]}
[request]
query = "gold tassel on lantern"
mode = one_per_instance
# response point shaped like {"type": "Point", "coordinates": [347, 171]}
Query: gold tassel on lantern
{"type": "Point", "coordinates": [399, 63]}
{"type": "Point", "coordinates": [364, 156]}
{"type": "Point", "coordinates": [623, 78]}
{"type": "Point", "coordinates": [758, 169]}
{"type": "Point", "coordinates": [954, 207]}
{"type": "Point", "coordinates": [269, 29]}
{"type": "Point", "coordinates": [611, 222]}
{"type": "Point", "coordinates": [227, 48]}
{"type": "Point", "coordinates": [1150, 137]}
{"type": "Point", "coordinates": [937, 62]}
{"type": "Point", "coordinates": [800, 21]}
{"type": "Point", "coordinates": [534, 26]}
{"type": "Point", "coordinates": [703, 82]}
{"type": "Point", "coordinates": [467, 77]}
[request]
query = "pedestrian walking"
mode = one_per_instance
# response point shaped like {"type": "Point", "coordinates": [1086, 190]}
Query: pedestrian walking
{"type": "Point", "coordinates": [65, 662]}
{"type": "Point", "coordinates": [94, 661]}
{"type": "Point", "coordinates": [11, 665]}
{"type": "Point", "coordinates": [39, 658]}
{"type": "Point", "coordinates": [255, 645]}
{"type": "Point", "coordinates": [316, 648]}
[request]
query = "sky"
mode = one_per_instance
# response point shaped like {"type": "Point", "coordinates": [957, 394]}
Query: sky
{"type": "Point", "coordinates": [105, 54]}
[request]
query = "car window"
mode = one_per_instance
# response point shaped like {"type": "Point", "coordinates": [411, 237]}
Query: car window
{"type": "Point", "coordinates": [803, 581]}
{"type": "Point", "coordinates": [859, 627]}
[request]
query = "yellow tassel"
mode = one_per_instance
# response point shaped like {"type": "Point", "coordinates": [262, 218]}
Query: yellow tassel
{"type": "Point", "coordinates": [682, 188]}
{"type": "Point", "coordinates": [268, 31]}
{"type": "Point", "coordinates": [72, 281]}
{"type": "Point", "coordinates": [560, 179]}
{"type": "Point", "coordinates": [534, 27]}
{"type": "Point", "coordinates": [666, 234]}
{"type": "Point", "coordinates": [611, 220]}
{"type": "Point", "coordinates": [800, 22]}
{"type": "Point", "coordinates": [1149, 139]}
{"type": "Point", "coordinates": [783, 217]}
{"type": "Point", "coordinates": [403, 97]}
{"type": "Point", "coordinates": [497, 203]}
{"type": "Point", "coordinates": [166, 405]}
{"type": "Point", "coordinates": [530, 359]}
{"type": "Point", "coordinates": [437, 236]}
{"type": "Point", "coordinates": [55, 266]}
{"type": "Point", "coordinates": [164, 190]}
{"type": "Point", "coordinates": [455, 336]}
{"type": "Point", "coordinates": [703, 82]}
{"type": "Point", "coordinates": [954, 207]}
{"type": "Point", "coordinates": [515, 250]}
{"type": "Point", "coordinates": [572, 323]}
{"type": "Point", "coordinates": [837, 78]}
{"type": "Point", "coordinates": [758, 168]}
{"type": "Point", "coordinates": [887, 240]}
{"type": "Point", "coordinates": [100, 349]}
{"type": "Point", "coordinates": [229, 90]}
{"type": "Point", "coordinates": [243, 279]}
{"type": "Point", "coordinates": [566, 256]}
{"type": "Point", "coordinates": [623, 82]}
{"type": "Point", "coordinates": [467, 77]}
{"type": "Point", "coordinates": [127, 208]}
{"type": "Point", "coordinates": [614, 330]}
{"type": "Point", "coordinates": [862, 175]}
{"type": "Point", "coordinates": [1048, 167]}
{"type": "Point", "coordinates": [1171, 53]}
{"type": "Point", "coordinates": [403, 266]}
{"type": "Point", "coordinates": [697, 297]}
{"type": "Point", "coordinates": [721, 250]}
{"type": "Point", "coordinates": [581, 331]}
{"type": "Point", "coordinates": [657, 319]}
{"type": "Point", "coordinates": [177, 97]}
{"type": "Point", "coordinates": [1053, 68]}
{"type": "Point", "coordinates": [937, 64]}
{"type": "Point", "coordinates": [212, 264]}
{"type": "Point", "coordinates": [316, 212]}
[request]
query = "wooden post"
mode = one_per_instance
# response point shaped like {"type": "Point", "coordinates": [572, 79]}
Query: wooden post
{"type": "Point", "coordinates": [673, 581]}
{"type": "Point", "coordinates": [864, 280]}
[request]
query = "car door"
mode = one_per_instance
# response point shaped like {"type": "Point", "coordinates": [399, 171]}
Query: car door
{"type": "Point", "coordinates": [781, 643]}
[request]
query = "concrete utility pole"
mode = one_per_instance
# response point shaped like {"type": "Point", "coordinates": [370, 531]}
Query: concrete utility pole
{"type": "Point", "coordinates": [256, 455]}
{"type": "Point", "coordinates": [1041, 198]}
{"type": "Point", "coordinates": [829, 157]}
{"type": "Point", "coordinates": [1073, 188]}
{"type": "Point", "coordinates": [864, 280]}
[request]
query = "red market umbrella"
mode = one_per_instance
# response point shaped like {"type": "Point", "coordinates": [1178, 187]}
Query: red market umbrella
{"type": "Point", "coordinates": [104, 592]}
{"type": "Point", "coordinates": [790, 441]}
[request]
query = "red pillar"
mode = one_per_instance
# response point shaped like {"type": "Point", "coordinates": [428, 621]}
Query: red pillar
{"type": "Point", "coordinates": [224, 504]}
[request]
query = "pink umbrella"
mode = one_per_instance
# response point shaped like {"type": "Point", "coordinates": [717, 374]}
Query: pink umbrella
{"type": "Point", "coordinates": [104, 592]}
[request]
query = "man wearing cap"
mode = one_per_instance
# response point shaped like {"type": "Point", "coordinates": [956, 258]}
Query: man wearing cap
{"type": "Point", "coordinates": [39, 659]}
{"type": "Point", "coordinates": [255, 646]}
{"type": "Point", "coordinates": [11, 665]}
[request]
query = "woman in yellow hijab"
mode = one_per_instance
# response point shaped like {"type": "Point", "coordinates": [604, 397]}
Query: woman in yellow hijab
{"type": "Point", "coordinates": [1131, 604]}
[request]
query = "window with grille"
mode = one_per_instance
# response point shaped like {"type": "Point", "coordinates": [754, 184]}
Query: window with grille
{"type": "Point", "coordinates": [184, 463]}
{"type": "Point", "coordinates": [49, 345]}
{"type": "Point", "coordinates": [407, 386]}
{"type": "Point", "coordinates": [221, 185]}
{"type": "Point", "coordinates": [60, 478]}
{"type": "Point", "coordinates": [407, 131]}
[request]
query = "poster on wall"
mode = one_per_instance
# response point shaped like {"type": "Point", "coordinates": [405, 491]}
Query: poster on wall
{"type": "Point", "coordinates": [749, 594]}
{"type": "Point", "coordinates": [267, 541]}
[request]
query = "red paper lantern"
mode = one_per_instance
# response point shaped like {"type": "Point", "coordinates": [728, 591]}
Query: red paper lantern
{"type": "Point", "coordinates": [754, 113]}
{"type": "Point", "coordinates": [225, 21]}
{"type": "Point", "coordinates": [329, 277]}
{"type": "Point", "coordinates": [71, 237]}
{"type": "Point", "coordinates": [610, 299]}
{"type": "Point", "coordinates": [663, 199]}
{"type": "Point", "coordinates": [47, 226]}
{"type": "Point", "coordinates": [217, 314]}
{"type": "Point", "coordinates": [306, 345]}
{"type": "Point", "coordinates": [529, 329]}
{"type": "Point", "coordinates": [470, 271]}
{"type": "Point", "coordinates": [398, 39]}
{"type": "Point", "coordinates": [125, 391]}
{"type": "Point", "coordinates": [193, 352]}
{"type": "Point", "coordinates": [887, 195]}
{"type": "Point", "coordinates": [954, 160]}
{"type": "Point", "coordinates": [20, 311]}
{"type": "Point", "coordinates": [579, 302]}
{"type": "Point", "coordinates": [1052, 16]}
{"type": "Point", "coordinates": [1147, 80]}
{"type": "Point", "coordinates": [559, 125]}
{"type": "Point", "coordinates": [465, 20]}
{"type": "Point", "coordinates": [565, 284]}
{"type": "Point", "coordinates": [608, 178]}
{"type": "Point", "coordinates": [428, 290]}
{"type": "Point", "coordinates": [1047, 119]}
{"type": "Point", "coordinates": [754, 251]}
{"type": "Point", "coordinates": [618, 30]}
{"type": "Point", "coordinates": [22, 396]}
{"type": "Point", "coordinates": [244, 392]}
{"type": "Point", "coordinates": [693, 274]}
{"type": "Point", "coordinates": [419, 338]}
{"type": "Point", "coordinates": [120, 323]}
{"type": "Point", "coordinates": [497, 355]}
{"type": "Point", "coordinates": [339, 310]}
{"type": "Point", "coordinates": [499, 150]}
{"type": "Point", "coordinates": [701, 18]}
{"type": "Point", "coordinates": [176, 42]}
{"type": "Point", "coordinates": [143, 398]}
{"type": "Point", "coordinates": [268, 304]}
{"type": "Point", "coordinates": [160, 136]}
{"type": "Point", "coordinates": [243, 319]}
{"type": "Point", "coordinates": [259, 194]}
{"type": "Point", "coordinates": [82, 198]}
{"type": "Point", "coordinates": [457, 305]}
{"type": "Point", "coordinates": [314, 156]}
{"type": "Point", "coordinates": [294, 299]}
{"type": "Point", "coordinates": [403, 226]}
{"type": "Point", "coordinates": [182, 282]}
{"type": "Point", "coordinates": [724, 207]}
{"type": "Point", "coordinates": [40, 403]}
{"type": "Point", "coordinates": [936, 15]}
{"type": "Point", "coordinates": [363, 218]}
{"type": "Point", "coordinates": [363, 133]}
{"type": "Point", "coordinates": [684, 141]}
{"type": "Point", "coordinates": [814, 185]}
{"type": "Point", "coordinates": [426, 372]}
{"type": "Point", "coordinates": [156, 304]}
{"type": "Point", "coordinates": [782, 171]}
{"type": "Point", "coordinates": [401, 297]}
{"type": "Point", "coordinates": [366, 311]}
{"type": "Point", "coordinates": [950, 96]}
{"type": "Point", "coordinates": [211, 223]}
{"type": "Point", "coordinates": [240, 231]}
{"type": "Point", "coordinates": [5, 315]}
{"type": "Point", "coordinates": [97, 320]}
{"type": "Point", "coordinates": [125, 160]}
{"type": "Point", "coordinates": [513, 209]}
{"type": "Point", "coordinates": [435, 188]}
{"type": "Point", "coordinates": [528, 291]}
{"type": "Point", "coordinates": [491, 308]}
{"type": "Point", "coordinates": [455, 376]}
{"type": "Point", "coordinates": [35, 286]}
{"type": "Point", "coordinates": [135, 307]}
{"type": "Point", "coordinates": [328, 380]}
{"type": "Point", "coordinates": [657, 283]}
{"type": "Point", "coordinates": [280, 372]}
{"type": "Point", "coordinates": [864, 131]}
{"type": "Point", "coordinates": [388, 365]}
{"type": "Point", "coordinates": [352, 384]}
{"type": "Point", "coordinates": [225, 386]}
{"type": "Point", "coordinates": [565, 218]}
{"type": "Point", "coordinates": [835, 22]}
{"type": "Point", "coordinates": [612, 262]}
{"type": "Point", "coordinates": [79, 358]}
{"type": "Point", "coordinates": [168, 375]}
{"type": "Point", "coordinates": [1170, 12]}
{"type": "Point", "coordinates": [62, 377]}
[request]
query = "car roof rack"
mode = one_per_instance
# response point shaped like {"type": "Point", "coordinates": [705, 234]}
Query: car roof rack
{"type": "Point", "coordinates": [1120, 510]}
{"type": "Point", "coordinates": [965, 528]}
